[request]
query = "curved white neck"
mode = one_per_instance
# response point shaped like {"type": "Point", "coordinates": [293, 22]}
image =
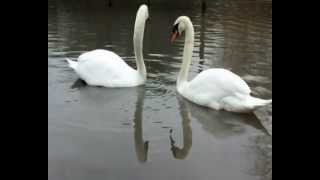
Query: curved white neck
{"type": "Point", "coordinates": [138, 44]}
{"type": "Point", "coordinates": [187, 54]}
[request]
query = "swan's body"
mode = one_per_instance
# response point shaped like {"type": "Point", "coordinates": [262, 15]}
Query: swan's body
{"type": "Point", "coordinates": [215, 88]}
{"type": "Point", "coordinates": [105, 68]}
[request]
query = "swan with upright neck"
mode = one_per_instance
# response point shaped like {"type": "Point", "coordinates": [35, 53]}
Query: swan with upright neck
{"type": "Point", "coordinates": [216, 88]}
{"type": "Point", "coordinates": [105, 68]}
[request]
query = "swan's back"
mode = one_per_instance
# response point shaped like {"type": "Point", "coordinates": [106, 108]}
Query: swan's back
{"type": "Point", "coordinates": [212, 85]}
{"type": "Point", "coordinates": [105, 68]}
{"type": "Point", "coordinates": [100, 54]}
{"type": "Point", "coordinates": [220, 81]}
{"type": "Point", "coordinates": [222, 89]}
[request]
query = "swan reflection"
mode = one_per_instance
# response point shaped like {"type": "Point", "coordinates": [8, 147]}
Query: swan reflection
{"type": "Point", "coordinates": [221, 124]}
{"type": "Point", "coordinates": [141, 146]}
{"type": "Point", "coordinates": [182, 153]}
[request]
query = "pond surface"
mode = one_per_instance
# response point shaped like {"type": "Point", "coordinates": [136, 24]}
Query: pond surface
{"type": "Point", "coordinates": [151, 132]}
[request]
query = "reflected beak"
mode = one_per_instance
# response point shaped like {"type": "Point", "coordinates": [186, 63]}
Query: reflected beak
{"type": "Point", "coordinates": [173, 36]}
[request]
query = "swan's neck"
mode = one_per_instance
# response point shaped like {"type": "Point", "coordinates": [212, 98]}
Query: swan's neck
{"type": "Point", "coordinates": [138, 45]}
{"type": "Point", "coordinates": [187, 55]}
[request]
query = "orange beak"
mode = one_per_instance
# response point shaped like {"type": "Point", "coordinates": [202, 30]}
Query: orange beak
{"type": "Point", "coordinates": [173, 36]}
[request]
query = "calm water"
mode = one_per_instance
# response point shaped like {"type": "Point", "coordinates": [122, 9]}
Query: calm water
{"type": "Point", "coordinates": [151, 132]}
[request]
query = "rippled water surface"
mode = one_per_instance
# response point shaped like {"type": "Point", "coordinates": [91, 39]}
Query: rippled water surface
{"type": "Point", "coordinates": [150, 132]}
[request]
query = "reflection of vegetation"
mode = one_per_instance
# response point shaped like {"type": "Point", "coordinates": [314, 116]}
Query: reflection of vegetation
{"type": "Point", "coordinates": [239, 36]}
{"type": "Point", "coordinates": [140, 145]}
{"type": "Point", "coordinates": [203, 5]}
{"type": "Point", "coordinates": [109, 3]}
{"type": "Point", "coordinates": [87, 25]}
{"type": "Point", "coordinates": [202, 37]}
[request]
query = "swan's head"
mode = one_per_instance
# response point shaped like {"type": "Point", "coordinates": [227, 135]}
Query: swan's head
{"type": "Point", "coordinates": [143, 11]}
{"type": "Point", "coordinates": [179, 27]}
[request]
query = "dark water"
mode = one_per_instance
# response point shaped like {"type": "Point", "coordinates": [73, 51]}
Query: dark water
{"type": "Point", "coordinates": [151, 132]}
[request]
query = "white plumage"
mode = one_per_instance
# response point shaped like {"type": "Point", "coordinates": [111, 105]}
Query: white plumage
{"type": "Point", "coordinates": [105, 68]}
{"type": "Point", "coordinates": [215, 88]}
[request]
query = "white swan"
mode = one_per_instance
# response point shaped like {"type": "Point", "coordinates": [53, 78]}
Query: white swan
{"type": "Point", "coordinates": [105, 68]}
{"type": "Point", "coordinates": [214, 88]}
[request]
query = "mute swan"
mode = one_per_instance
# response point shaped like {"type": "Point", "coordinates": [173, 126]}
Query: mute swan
{"type": "Point", "coordinates": [216, 88]}
{"type": "Point", "coordinates": [105, 68]}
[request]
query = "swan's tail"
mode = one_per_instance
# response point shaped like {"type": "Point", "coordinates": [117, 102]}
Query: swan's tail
{"type": "Point", "coordinates": [257, 102]}
{"type": "Point", "coordinates": [243, 103]}
{"type": "Point", "coordinates": [72, 64]}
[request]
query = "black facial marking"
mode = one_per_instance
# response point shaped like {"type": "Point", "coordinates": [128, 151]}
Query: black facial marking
{"type": "Point", "coordinates": [175, 29]}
